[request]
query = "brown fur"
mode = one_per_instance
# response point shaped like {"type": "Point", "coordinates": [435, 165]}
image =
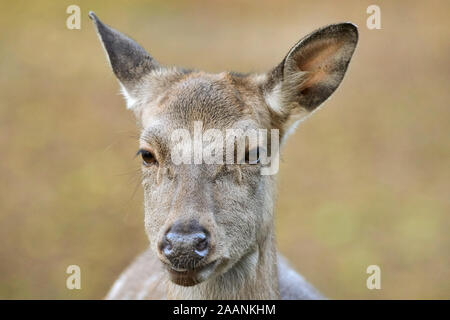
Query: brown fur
{"type": "Point", "coordinates": [234, 202]}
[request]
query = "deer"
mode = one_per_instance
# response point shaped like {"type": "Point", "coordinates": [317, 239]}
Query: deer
{"type": "Point", "coordinates": [211, 226]}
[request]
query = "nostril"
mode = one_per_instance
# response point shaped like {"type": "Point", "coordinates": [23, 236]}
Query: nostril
{"type": "Point", "coordinates": [166, 246]}
{"type": "Point", "coordinates": [201, 245]}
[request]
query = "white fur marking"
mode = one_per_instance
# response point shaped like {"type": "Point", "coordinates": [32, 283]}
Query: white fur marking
{"type": "Point", "coordinates": [130, 101]}
{"type": "Point", "coordinates": [273, 99]}
{"type": "Point", "coordinates": [116, 287]}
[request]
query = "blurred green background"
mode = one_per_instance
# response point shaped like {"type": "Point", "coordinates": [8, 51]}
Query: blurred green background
{"type": "Point", "coordinates": [364, 181]}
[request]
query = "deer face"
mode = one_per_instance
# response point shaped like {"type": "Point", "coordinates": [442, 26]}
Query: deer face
{"type": "Point", "coordinates": [200, 218]}
{"type": "Point", "coordinates": [204, 217]}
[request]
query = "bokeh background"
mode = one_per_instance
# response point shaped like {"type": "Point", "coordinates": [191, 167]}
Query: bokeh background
{"type": "Point", "coordinates": [364, 181]}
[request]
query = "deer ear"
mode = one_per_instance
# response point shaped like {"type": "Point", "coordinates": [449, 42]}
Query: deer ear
{"type": "Point", "coordinates": [311, 71]}
{"type": "Point", "coordinates": [129, 61]}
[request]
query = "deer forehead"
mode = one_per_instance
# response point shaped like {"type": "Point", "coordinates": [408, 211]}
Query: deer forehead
{"type": "Point", "coordinates": [217, 100]}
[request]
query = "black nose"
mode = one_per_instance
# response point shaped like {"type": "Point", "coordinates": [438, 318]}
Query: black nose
{"type": "Point", "coordinates": [185, 244]}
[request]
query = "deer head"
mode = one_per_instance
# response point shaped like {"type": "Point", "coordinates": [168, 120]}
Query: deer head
{"type": "Point", "coordinates": [203, 219]}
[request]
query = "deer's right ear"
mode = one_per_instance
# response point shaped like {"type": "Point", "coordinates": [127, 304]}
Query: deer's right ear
{"type": "Point", "coordinates": [129, 61]}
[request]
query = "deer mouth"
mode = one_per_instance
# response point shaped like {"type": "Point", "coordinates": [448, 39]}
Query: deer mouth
{"type": "Point", "coordinates": [191, 277]}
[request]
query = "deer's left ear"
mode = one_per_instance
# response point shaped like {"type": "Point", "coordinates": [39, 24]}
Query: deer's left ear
{"type": "Point", "coordinates": [129, 61]}
{"type": "Point", "coordinates": [310, 73]}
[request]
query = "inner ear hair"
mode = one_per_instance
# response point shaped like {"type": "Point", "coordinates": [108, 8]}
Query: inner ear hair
{"type": "Point", "coordinates": [311, 71]}
{"type": "Point", "coordinates": [315, 66]}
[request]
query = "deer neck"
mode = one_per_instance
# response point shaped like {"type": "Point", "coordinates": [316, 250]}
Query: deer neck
{"type": "Point", "coordinates": [253, 277]}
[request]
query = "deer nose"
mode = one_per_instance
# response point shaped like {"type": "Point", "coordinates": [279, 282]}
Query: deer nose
{"type": "Point", "coordinates": [185, 244]}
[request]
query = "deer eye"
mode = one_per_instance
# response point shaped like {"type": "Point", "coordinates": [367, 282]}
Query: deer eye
{"type": "Point", "coordinates": [148, 157]}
